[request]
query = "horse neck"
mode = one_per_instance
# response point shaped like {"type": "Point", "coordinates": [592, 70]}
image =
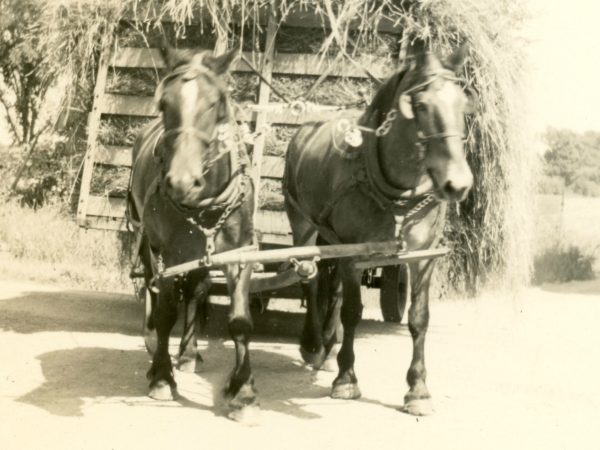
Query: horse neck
{"type": "Point", "coordinates": [399, 155]}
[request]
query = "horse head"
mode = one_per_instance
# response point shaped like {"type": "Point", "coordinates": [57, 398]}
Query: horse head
{"type": "Point", "coordinates": [192, 100]}
{"type": "Point", "coordinates": [432, 104]}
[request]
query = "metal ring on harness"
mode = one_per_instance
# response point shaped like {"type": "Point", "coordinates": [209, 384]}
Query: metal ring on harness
{"type": "Point", "coordinates": [297, 107]}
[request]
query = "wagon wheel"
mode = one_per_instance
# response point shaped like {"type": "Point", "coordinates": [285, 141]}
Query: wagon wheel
{"type": "Point", "coordinates": [394, 292]}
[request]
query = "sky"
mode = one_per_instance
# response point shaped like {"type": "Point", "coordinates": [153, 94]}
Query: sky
{"type": "Point", "coordinates": [565, 60]}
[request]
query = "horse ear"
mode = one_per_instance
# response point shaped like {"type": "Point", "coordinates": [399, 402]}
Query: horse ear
{"type": "Point", "coordinates": [419, 49]}
{"type": "Point", "coordinates": [456, 60]}
{"type": "Point", "coordinates": [170, 56]}
{"type": "Point", "coordinates": [220, 64]}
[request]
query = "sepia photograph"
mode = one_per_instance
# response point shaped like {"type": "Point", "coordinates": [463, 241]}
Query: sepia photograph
{"type": "Point", "coordinates": [278, 224]}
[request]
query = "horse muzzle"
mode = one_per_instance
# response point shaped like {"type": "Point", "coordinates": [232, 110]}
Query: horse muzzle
{"type": "Point", "coordinates": [184, 188]}
{"type": "Point", "coordinates": [454, 184]}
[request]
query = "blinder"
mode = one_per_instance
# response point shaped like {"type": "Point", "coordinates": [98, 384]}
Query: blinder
{"type": "Point", "coordinates": [405, 106]}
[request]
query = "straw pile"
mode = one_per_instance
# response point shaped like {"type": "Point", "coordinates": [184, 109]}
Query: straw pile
{"type": "Point", "coordinates": [490, 233]}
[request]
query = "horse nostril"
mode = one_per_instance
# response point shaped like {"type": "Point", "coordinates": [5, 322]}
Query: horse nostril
{"type": "Point", "coordinates": [198, 182]}
{"type": "Point", "coordinates": [453, 191]}
{"type": "Point", "coordinates": [168, 182]}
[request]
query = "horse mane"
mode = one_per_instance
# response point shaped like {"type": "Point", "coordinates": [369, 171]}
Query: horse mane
{"type": "Point", "coordinates": [384, 97]}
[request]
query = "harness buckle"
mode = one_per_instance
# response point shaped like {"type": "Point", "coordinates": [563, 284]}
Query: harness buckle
{"type": "Point", "coordinates": [210, 247]}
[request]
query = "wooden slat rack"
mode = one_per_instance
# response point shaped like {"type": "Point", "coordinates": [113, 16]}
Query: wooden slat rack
{"type": "Point", "coordinates": [108, 212]}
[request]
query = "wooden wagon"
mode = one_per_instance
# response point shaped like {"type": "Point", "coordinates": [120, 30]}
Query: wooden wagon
{"type": "Point", "coordinates": [107, 211]}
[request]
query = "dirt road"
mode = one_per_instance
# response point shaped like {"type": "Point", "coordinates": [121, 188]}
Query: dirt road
{"type": "Point", "coordinates": [509, 373]}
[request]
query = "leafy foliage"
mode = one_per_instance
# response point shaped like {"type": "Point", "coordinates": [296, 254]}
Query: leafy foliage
{"type": "Point", "coordinates": [26, 74]}
{"type": "Point", "coordinates": [560, 264]}
{"type": "Point", "coordinates": [575, 159]}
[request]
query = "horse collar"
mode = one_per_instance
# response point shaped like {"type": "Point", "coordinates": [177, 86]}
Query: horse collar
{"type": "Point", "coordinates": [385, 192]}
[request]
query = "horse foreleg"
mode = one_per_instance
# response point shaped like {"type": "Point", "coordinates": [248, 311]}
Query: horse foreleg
{"type": "Point", "coordinates": [162, 382]}
{"type": "Point", "coordinates": [321, 321]}
{"type": "Point", "coordinates": [311, 342]}
{"type": "Point", "coordinates": [195, 296]}
{"type": "Point", "coordinates": [346, 384]}
{"type": "Point", "coordinates": [418, 400]}
{"type": "Point", "coordinates": [240, 386]}
{"type": "Point", "coordinates": [331, 307]}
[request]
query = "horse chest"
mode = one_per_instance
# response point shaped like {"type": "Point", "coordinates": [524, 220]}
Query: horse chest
{"type": "Point", "coordinates": [179, 240]}
{"type": "Point", "coordinates": [357, 218]}
{"type": "Point", "coordinates": [173, 237]}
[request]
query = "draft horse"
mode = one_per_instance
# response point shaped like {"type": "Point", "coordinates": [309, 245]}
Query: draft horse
{"type": "Point", "coordinates": [395, 184]}
{"type": "Point", "coordinates": [191, 195]}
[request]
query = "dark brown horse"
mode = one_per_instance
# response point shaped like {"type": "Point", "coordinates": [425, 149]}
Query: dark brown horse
{"type": "Point", "coordinates": [394, 184]}
{"type": "Point", "coordinates": [192, 196]}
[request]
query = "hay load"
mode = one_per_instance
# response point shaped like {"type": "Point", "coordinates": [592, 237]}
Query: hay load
{"type": "Point", "coordinates": [490, 232]}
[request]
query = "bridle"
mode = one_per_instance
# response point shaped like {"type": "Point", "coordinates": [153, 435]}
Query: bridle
{"type": "Point", "coordinates": [399, 200]}
{"type": "Point", "coordinates": [432, 77]}
{"type": "Point", "coordinates": [189, 72]}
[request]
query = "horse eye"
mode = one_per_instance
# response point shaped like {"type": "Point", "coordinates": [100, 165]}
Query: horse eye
{"type": "Point", "coordinates": [421, 107]}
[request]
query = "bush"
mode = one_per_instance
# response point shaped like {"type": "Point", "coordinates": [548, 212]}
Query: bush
{"type": "Point", "coordinates": [551, 185]}
{"type": "Point", "coordinates": [560, 264]}
{"type": "Point", "coordinates": [586, 187]}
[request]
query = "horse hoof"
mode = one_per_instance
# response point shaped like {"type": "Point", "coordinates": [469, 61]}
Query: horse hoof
{"type": "Point", "coordinates": [189, 365]}
{"type": "Point", "coordinates": [245, 397]}
{"type": "Point", "coordinates": [418, 407]}
{"type": "Point", "coordinates": [345, 391]}
{"type": "Point", "coordinates": [248, 415]}
{"type": "Point", "coordinates": [162, 390]}
{"type": "Point", "coordinates": [313, 359]}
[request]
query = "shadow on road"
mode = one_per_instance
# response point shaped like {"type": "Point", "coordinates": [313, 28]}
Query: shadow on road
{"type": "Point", "coordinates": [34, 312]}
{"type": "Point", "coordinates": [78, 377]}
{"type": "Point", "coordinates": [81, 377]}
{"type": "Point", "coordinates": [97, 374]}
{"type": "Point", "coordinates": [80, 311]}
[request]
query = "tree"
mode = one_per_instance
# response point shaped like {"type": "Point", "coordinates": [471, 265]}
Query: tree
{"type": "Point", "coordinates": [25, 73]}
{"type": "Point", "coordinates": [575, 158]}
{"type": "Point", "coordinates": [565, 154]}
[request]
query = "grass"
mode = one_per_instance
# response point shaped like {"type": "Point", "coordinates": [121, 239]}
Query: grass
{"type": "Point", "coordinates": [47, 245]}
{"type": "Point", "coordinates": [566, 242]}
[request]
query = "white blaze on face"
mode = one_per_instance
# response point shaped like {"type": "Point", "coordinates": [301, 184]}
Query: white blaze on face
{"type": "Point", "coordinates": [189, 97]}
{"type": "Point", "coordinates": [448, 100]}
{"type": "Point", "coordinates": [453, 173]}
